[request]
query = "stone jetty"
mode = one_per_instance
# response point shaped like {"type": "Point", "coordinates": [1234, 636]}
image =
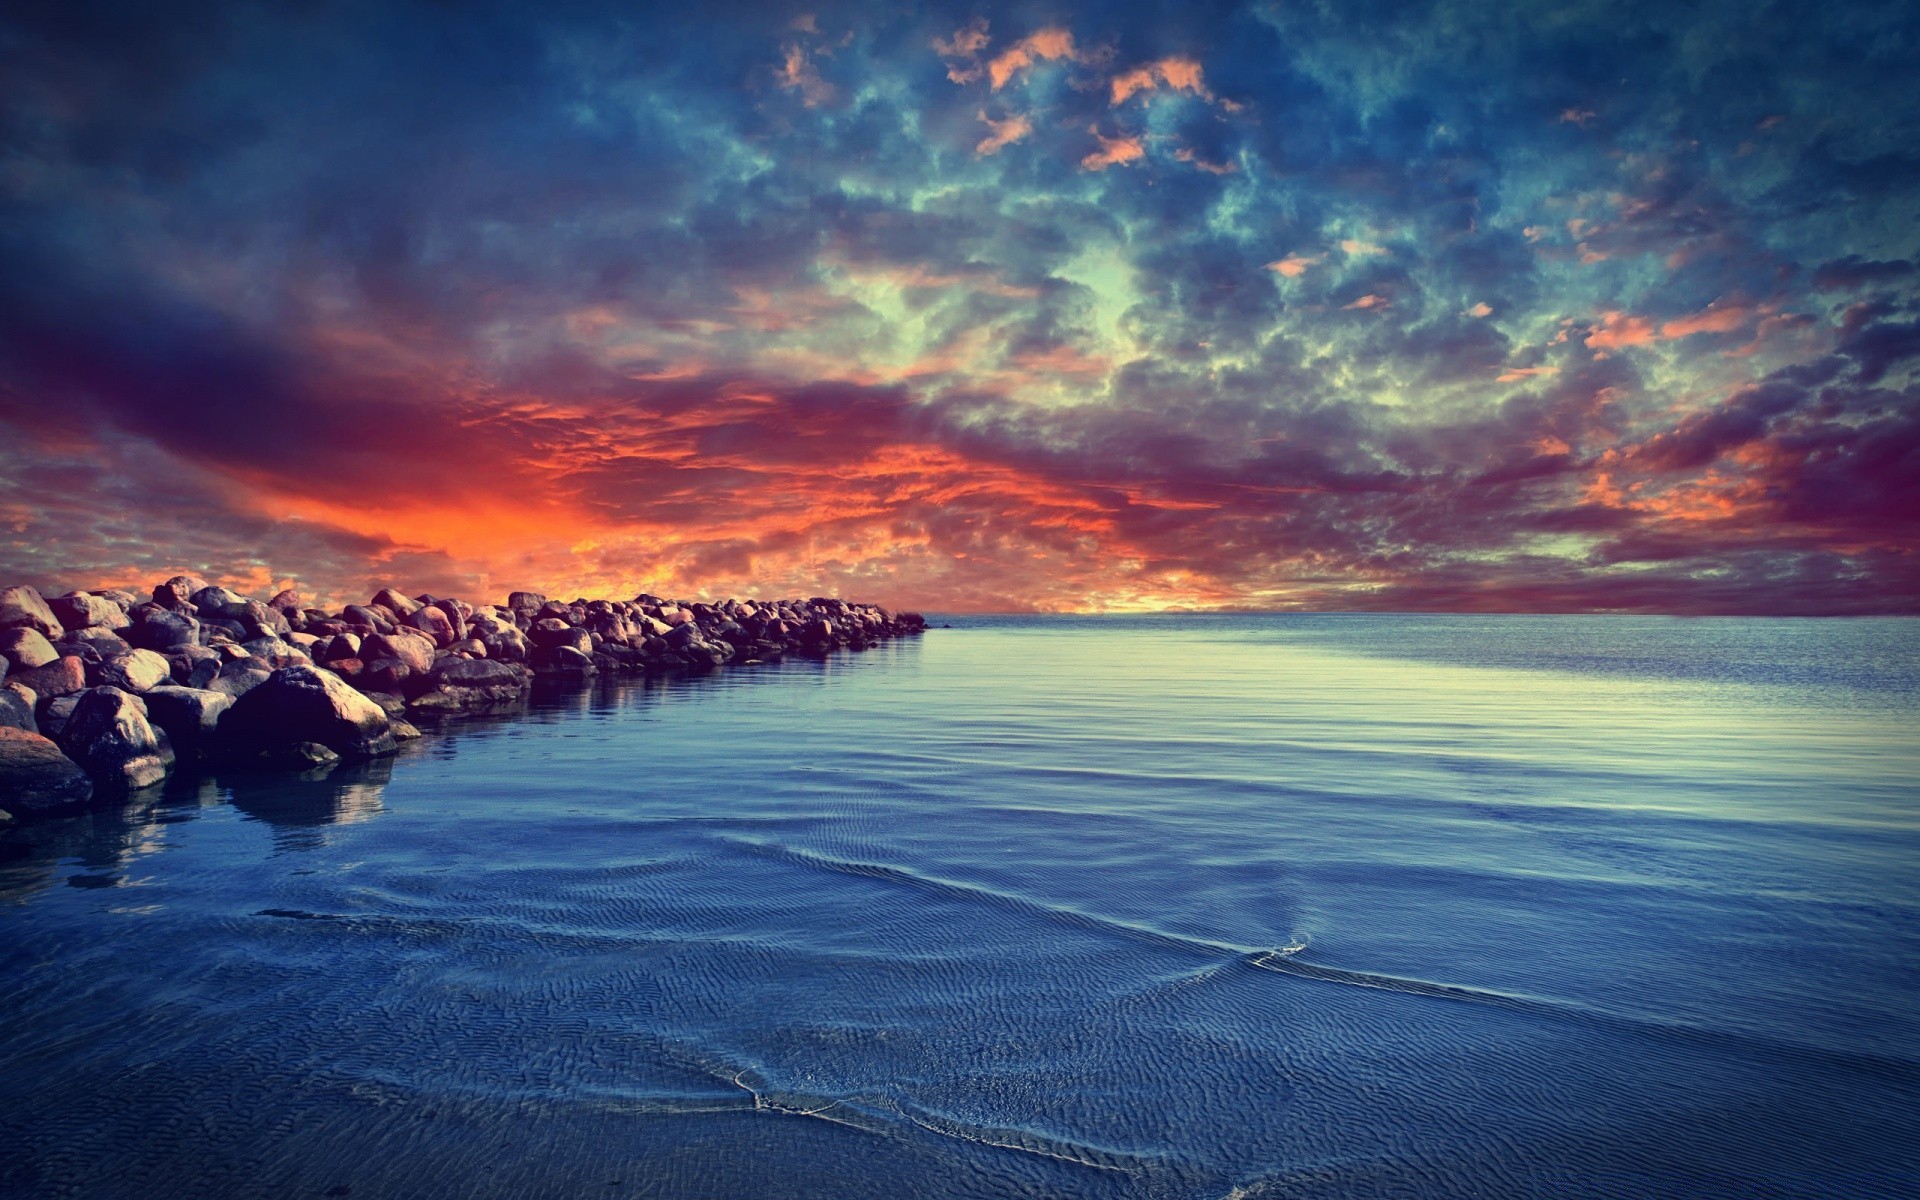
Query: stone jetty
{"type": "Point", "coordinates": [104, 693]}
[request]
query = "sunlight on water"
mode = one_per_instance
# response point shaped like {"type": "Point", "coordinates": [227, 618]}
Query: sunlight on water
{"type": "Point", "coordinates": [1182, 907]}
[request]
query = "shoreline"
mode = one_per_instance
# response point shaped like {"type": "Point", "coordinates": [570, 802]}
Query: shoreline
{"type": "Point", "coordinates": [104, 694]}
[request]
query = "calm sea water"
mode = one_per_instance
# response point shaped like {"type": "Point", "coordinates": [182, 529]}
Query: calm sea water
{"type": "Point", "coordinates": [1162, 907]}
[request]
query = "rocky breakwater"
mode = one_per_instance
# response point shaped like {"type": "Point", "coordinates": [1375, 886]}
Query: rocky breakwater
{"type": "Point", "coordinates": [104, 693]}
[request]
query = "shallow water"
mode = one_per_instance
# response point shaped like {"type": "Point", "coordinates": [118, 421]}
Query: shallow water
{"type": "Point", "coordinates": [1159, 907]}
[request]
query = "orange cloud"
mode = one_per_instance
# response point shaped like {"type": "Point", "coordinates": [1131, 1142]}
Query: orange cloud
{"type": "Point", "coordinates": [1051, 44]}
{"type": "Point", "coordinates": [962, 51]}
{"type": "Point", "coordinates": [1177, 73]}
{"type": "Point", "coordinates": [1186, 155]}
{"type": "Point", "coordinates": [1714, 318]}
{"type": "Point", "coordinates": [1369, 301]}
{"type": "Point", "coordinates": [798, 73]}
{"type": "Point", "coordinates": [1293, 265]}
{"type": "Point", "coordinates": [1617, 329]}
{"type": "Point", "coordinates": [1480, 310]}
{"type": "Point", "coordinates": [1516, 374]}
{"type": "Point", "coordinates": [1113, 151]}
{"type": "Point", "coordinates": [1002, 133]}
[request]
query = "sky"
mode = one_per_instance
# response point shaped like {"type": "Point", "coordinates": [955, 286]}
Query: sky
{"type": "Point", "coordinates": [1302, 305]}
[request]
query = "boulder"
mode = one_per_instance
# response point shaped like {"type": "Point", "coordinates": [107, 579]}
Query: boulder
{"type": "Point", "coordinates": [509, 645]}
{"type": "Point", "coordinates": [218, 602]}
{"type": "Point", "coordinates": [238, 678]}
{"type": "Point", "coordinates": [16, 707]}
{"type": "Point", "coordinates": [110, 737]}
{"type": "Point", "coordinates": [195, 666]}
{"type": "Point", "coordinates": [377, 619]}
{"type": "Point", "coordinates": [135, 671]}
{"type": "Point", "coordinates": [62, 677]}
{"type": "Point", "coordinates": [469, 684]}
{"type": "Point", "coordinates": [162, 629]}
{"type": "Point", "coordinates": [100, 644]}
{"type": "Point", "coordinates": [431, 621]}
{"type": "Point", "coordinates": [561, 660]}
{"type": "Point", "coordinates": [260, 620]}
{"type": "Point", "coordinates": [527, 602]}
{"type": "Point", "coordinates": [36, 779]}
{"type": "Point", "coordinates": [408, 646]}
{"type": "Point", "coordinates": [83, 610]}
{"type": "Point", "coordinates": [177, 593]}
{"type": "Point", "coordinates": [189, 716]}
{"type": "Point", "coordinates": [395, 601]}
{"type": "Point", "coordinates": [307, 704]}
{"type": "Point", "coordinates": [287, 601]}
{"type": "Point", "coordinates": [26, 648]}
{"type": "Point", "coordinates": [24, 608]}
{"type": "Point", "coordinates": [51, 713]}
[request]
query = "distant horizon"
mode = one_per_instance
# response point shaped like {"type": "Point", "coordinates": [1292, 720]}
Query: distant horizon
{"type": "Point", "coordinates": [1607, 308]}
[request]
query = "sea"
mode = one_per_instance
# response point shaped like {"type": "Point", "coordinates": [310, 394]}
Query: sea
{"type": "Point", "coordinates": [1170, 906]}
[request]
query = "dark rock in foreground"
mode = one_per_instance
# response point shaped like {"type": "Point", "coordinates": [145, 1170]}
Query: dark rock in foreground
{"type": "Point", "coordinates": [36, 779]}
{"type": "Point", "coordinates": [103, 689]}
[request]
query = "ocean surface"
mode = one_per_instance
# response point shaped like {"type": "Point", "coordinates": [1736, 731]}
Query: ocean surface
{"type": "Point", "coordinates": [1110, 907]}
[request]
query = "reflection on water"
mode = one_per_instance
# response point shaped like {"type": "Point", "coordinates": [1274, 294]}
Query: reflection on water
{"type": "Point", "coordinates": [1168, 908]}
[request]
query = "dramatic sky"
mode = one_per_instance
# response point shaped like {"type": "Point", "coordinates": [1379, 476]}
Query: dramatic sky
{"type": "Point", "coordinates": [1316, 303]}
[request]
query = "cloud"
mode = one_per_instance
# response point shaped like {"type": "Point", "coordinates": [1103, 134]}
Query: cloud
{"type": "Point", "coordinates": [1001, 134]}
{"type": "Point", "coordinates": [1113, 151]}
{"type": "Point", "coordinates": [561, 299]}
{"type": "Point", "coordinates": [1293, 265]}
{"type": "Point", "coordinates": [1177, 73]}
{"type": "Point", "coordinates": [1052, 44]}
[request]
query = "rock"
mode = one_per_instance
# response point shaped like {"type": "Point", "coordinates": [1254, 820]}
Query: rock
{"type": "Point", "coordinates": [36, 779]}
{"type": "Point", "coordinates": [189, 716]}
{"type": "Point", "coordinates": [378, 620]}
{"type": "Point", "coordinates": [259, 620]}
{"type": "Point", "coordinates": [408, 646]}
{"type": "Point", "coordinates": [177, 593]}
{"type": "Point", "coordinates": [434, 623]}
{"type": "Point", "coordinates": [817, 632]}
{"type": "Point", "coordinates": [16, 707]}
{"type": "Point", "coordinates": [101, 644]}
{"type": "Point", "coordinates": [561, 660]}
{"type": "Point", "coordinates": [300, 755]}
{"type": "Point", "coordinates": [509, 645]}
{"type": "Point", "coordinates": [396, 602]}
{"type": "Point", "coordinates": [287, 601]}
{"type": "Point", "coordinates": [467, 684]}
{"type": "Point", "coordinates": [162, 629]}
{"type": "Point", "coordinates": [527, 602]}
{"type": "Point", "coordinates": [403, 731]}
{"type": "Point", "coordinates": [238, 678]}
{"type": "Point", "coordinates": [273, 652]}
{"type": "Point", "coordinates": [110, 737]}
{"type": "Point", "coordinates": [82, 610]}
{"type": "Point", "coordinates": [26, 648]}
{"type": "Point", "coordinates": [136, 671]}
{"type": "Point", "coordinates": [390, 675]}
{"type": "Point", "coordinates": [64, 676]}
{"type": "Point", "coordinates": [51, 713]}
{"type": "Point", "coordinates": [307, 704]}
{"type": "Point", "coordinates": [24, 608]}
{"type": "Point", "coordinates": [218, 602]}
{"type": "Point", "coordinates": [390, 703]}
{"type": "Point", "coordinates": [195, 666]}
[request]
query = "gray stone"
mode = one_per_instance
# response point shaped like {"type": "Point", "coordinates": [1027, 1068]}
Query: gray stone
{"type": "Point", "coordinates": [26, 648]}
{"type": "Point", "coordinates": [36, 779]}
{"type": "Point", "coordinates": [83, 610]}
{"type": "Point", "coordinates": [238, 678]}
{"type": "Point", "coordinates": [16, 707]}
{"type": "Point", "coordinates": [62, 677]}
{"type": "Point", "coordinates": [162, 629]}
{"type": "Point", "coordinates": [51, 713]}
{"type": "Point", "coordinates": [136, 671]}
{"type": "Point", "coordinates": [410, 646]}
{"type": "Point", "coordinates": [177, 593]}
{"type": "Point", "coordinates": [110, 737]}
{"type": "Point", "coordinates": [22, 607]}
{"type": "Point", "coordinates": [190, 716]}
{"type": "Point", "coordinates": [307, 704]}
